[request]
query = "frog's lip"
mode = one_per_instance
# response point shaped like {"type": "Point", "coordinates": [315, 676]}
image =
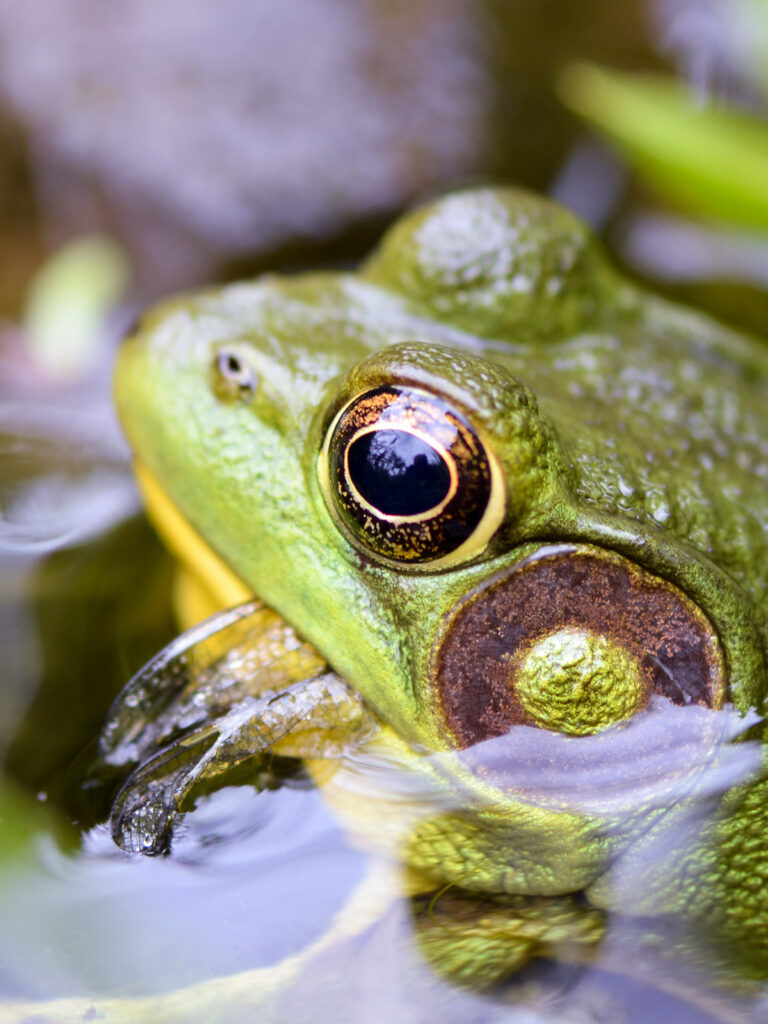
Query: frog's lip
{"type": "Point", "coordinates": [223, 587]}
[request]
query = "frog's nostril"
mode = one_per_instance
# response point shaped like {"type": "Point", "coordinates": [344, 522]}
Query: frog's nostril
{"type": "Point", "coordinates": [233, 377]}
{"type": "Point", "coordinates": [573, 639]}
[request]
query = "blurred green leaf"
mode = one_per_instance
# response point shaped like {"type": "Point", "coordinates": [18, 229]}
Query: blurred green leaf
{"type": "Point", "coordinates": [69, 300]}
{"type": "Point", "coordinates": [751, 21]}
{"type": "Point", "coordinates": [22, 818]}
{"type": "Point", "coordinates": [705, 159]}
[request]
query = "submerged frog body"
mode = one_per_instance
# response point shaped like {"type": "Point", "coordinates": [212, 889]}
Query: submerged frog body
{"type": "Point", "coordinates": [514, 510]}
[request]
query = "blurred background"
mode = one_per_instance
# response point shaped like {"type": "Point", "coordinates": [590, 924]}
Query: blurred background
{"type": "Point", "coordinates": [148, 147]}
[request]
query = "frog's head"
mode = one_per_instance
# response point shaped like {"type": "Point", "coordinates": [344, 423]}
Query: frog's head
{"type": "Point", "coordinates": [446, 472]}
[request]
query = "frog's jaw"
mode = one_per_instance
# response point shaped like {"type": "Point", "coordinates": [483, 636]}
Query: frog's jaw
{"type": "Point", "coordinates": [206, 584]}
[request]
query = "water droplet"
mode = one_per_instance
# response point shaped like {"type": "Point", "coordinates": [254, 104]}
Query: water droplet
{"type": "Point", "coordinates": [626, 489]}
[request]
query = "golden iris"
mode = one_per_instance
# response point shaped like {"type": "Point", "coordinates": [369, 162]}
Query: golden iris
{"type": "Point", "coordinates": [409, 479]}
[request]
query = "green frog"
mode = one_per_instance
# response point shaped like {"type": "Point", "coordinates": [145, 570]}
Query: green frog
{"type": "Point", "coordinates": [494, 513]}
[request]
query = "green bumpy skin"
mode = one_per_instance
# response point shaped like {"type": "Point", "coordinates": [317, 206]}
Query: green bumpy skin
{"type": "Point", "coordinates": [567, 678]}
{"type": "Point", "coordinates": [618, 423]}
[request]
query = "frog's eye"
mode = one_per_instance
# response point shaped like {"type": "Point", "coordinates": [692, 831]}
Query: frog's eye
{"type": "Point", "coordinates": [232, 376]}
{"type": "Point", "coordinates": [408, 478]}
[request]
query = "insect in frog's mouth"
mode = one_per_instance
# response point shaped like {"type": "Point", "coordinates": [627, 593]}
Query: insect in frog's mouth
{"type": "Point", "coordinates": [573, 638]}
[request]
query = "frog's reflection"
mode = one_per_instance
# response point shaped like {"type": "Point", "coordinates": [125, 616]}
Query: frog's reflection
{"type": "Point", "coordinates": [658, 796]}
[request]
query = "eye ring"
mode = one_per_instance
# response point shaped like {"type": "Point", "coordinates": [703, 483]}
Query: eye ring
{"type": "Point", "coordinates": [408, 479]}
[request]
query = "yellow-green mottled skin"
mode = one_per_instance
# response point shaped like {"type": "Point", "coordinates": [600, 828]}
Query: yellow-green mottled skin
{"type": "Point", "coordinates": [618, 420]}
{"type": "Point", "coordinates": [566, 678]}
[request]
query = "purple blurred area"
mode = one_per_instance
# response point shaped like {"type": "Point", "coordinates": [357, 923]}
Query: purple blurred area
{"type": "Point", "coordinates": [283, 131]}
{"type": "Point", "coordinates": [199, 132]}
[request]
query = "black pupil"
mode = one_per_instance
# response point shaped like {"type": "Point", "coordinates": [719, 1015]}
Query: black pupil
{"type": "Point", "coordinates": [230, 365]}
{"type": "Point", "coordinates": [397, 472]}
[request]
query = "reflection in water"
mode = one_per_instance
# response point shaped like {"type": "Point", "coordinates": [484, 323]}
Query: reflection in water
{"type": "Point", "coordinates": [65, 474]}
{"type": "Point", "coordinates": [64, 481]}
{"type": "Point", "coordinates": [649, 794]}
{"type": "Point", "coordinates": [252, 881]}
{"type": "Point", "coordinates": [266, 909]}
{"type": "Point", "coordinates": [668, 758]}
{"type": "Point", "coordinates": [651, 761]}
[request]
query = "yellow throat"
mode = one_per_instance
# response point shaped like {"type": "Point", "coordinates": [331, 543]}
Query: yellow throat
{"type": "Point", "coordinates": [204, 584]}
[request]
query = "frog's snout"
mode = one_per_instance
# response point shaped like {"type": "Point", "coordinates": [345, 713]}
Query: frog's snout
{"type": "Point", "coordinates": [573, 638]}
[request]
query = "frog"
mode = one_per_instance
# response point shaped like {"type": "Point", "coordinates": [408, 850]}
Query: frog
{"type": "Point", "coordinates": [481, 497]}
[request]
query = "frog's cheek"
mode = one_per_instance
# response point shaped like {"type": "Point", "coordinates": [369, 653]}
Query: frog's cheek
{"type": "Point", "coordinates": [573, 638]}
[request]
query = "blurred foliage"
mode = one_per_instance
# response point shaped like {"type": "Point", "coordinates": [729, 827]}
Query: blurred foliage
{"type": "Point", "coordinates": [702, 149]}
{"type": "Point", "coordinates": [753, 19]}
{"type": "Point", "coordinates": [22, 818]}
{"type": "Point", "coordinates": [707, 160]}
{"type": "Point", "coordinates": [69, 300]}
{"type": "Point", "coordinates": [102, 609]}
